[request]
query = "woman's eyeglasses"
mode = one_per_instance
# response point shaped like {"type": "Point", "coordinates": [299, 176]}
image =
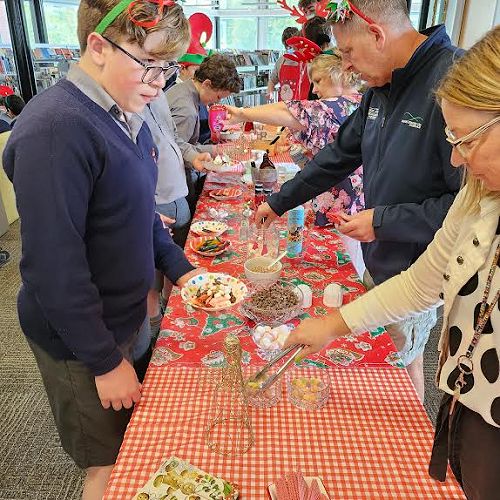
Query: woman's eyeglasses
{"type": "Point", "coordinates": [462, 143]}
{"type": "Point", "coordinates": [151, 73]}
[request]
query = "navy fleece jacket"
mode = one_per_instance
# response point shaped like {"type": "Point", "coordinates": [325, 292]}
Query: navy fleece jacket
{"type": "Point", "coordinates": [397, 134]}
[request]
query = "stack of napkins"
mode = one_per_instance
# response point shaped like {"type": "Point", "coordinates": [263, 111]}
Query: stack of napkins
{"type": "Point", "coordinates": [294, 486]}
{"type": "Point", "coordinates": [179, 480]}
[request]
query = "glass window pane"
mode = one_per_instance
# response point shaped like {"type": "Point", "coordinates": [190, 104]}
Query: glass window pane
{"type": "Point", "coordinates": [60, 20]}
{"type": "Point", "coordinates": [8, 73]}
{"type": "Point", "coordinates": [416, 7]}
{"type": "Point", "coordinates": [238, 33]}
{"type": "Point", "coordinates": [272, 30]}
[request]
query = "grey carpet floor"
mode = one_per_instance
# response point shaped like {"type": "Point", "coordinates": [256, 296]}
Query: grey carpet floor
{"type": "Point", "coordinates": [32, 464]}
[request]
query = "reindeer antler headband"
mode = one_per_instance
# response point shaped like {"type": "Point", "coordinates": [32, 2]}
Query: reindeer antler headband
{"type": "Point", "coordinates": [301, 18]}
{"type": "Point", "coordinates": [129, 4]}
{"type": "Point", "coordinates": [343, 10]}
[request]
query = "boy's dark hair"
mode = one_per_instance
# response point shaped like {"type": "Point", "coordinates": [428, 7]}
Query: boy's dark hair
{"type": "Point", "coordinates": [318, 31]}
{"type": "Point", "coordinates": [14, 103]}
{"type": "Point", "coordinates": [303, 4]}
{"type": "Point", "coordinates": [173, 25]}
{"type": "Point", "coordinates": [221, 71]}
{"type": "Point", "coordinates": [288, 33]}
{"type": "Point", "coordinates": [2, 100]}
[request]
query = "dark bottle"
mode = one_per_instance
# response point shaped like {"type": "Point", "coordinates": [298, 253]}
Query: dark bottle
{"type": "Point", "coordinates": [266, 162]}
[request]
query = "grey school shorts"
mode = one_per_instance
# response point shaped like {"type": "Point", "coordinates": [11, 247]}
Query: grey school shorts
{"type": "Point", "coordinates": [91, 435]}
{"type": "Point", "coordinates": [411, 334]}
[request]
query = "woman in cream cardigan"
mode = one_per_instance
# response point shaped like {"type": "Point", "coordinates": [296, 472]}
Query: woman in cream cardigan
{"type": "Point", "coordinates": [459, 268]}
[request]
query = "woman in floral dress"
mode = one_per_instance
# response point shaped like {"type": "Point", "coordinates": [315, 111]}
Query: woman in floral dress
{"type": "Point", "coordinates": [314, 124]}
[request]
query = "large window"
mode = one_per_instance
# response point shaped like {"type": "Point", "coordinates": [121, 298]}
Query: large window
{"type": "Point", "coordinates": [272, 29]}
{"type": "Point", "coordinates": [416, 7]}
{"type": "Point", "coordinates": [238, 33]}
{"type": "Point", "coordinates": [60, 20]}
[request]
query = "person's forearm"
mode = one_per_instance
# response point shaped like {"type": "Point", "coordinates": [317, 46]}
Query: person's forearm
{"type": "Point", "coordinates": [275, 113]}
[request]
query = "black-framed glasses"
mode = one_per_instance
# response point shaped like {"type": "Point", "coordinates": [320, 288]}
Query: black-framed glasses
{"type": "Point", "coordinates": [151, 73]}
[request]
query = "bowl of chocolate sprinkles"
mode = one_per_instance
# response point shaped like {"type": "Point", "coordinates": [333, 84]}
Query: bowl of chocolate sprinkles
{"type": "Point", "coordinates": [281, 301]}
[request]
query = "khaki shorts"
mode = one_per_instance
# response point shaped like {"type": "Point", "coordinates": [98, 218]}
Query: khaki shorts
{"type": "Point", "coordinates": [411, 334]}
{"type": "Point", "coordinates": [91, 435]}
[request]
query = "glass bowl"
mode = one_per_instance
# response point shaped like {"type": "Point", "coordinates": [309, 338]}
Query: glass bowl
{"type": "Point", "coordinates": [308, 387]}
{"type": "Point", "coordinates": [265, 399]}
{"type": "Point", "coordinates": [277, 303]}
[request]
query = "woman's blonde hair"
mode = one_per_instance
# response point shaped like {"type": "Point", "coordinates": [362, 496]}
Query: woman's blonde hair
{"type": "Point", "coordinates": [331, 65]}
{"type": "Point", "coordinates": [173, 24]}
{"type": "Point", "coordinates": [473, 82]}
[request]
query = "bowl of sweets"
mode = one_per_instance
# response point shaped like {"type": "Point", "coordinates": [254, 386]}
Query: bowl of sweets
{"type": "Point", "coordinates": [213, 291]}
{"type": "Point", "coordinates": [276, 303]}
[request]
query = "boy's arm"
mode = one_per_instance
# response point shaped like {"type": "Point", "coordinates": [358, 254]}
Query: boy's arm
{"type": "Point", "coordinates": [53, 178]}
{"type": "Point", "coordinates": [169, 257]}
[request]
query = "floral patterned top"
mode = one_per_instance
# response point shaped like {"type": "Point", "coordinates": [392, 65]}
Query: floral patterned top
{"type": "Point", "coordinates": [322, 120]}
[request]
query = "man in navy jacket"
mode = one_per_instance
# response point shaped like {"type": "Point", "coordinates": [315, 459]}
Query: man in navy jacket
{"type": "Point", "coordinates": [397, 134]}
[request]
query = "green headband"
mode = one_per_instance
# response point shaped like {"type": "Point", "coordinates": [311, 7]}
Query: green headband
{"type": "Point", "coordinates": [111, 16]}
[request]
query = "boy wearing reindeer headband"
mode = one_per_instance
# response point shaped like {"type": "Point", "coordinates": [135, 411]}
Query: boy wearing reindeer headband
{"type": "Point", "coordinates": [89, 226]}
{"type": "Point", "coordinates": [397, 134]}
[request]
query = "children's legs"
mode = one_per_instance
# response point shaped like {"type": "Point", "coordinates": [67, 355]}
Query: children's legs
{"type": "Point", "coordinates": [95, 482]}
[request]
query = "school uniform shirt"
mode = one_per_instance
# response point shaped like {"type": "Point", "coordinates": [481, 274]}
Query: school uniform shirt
{"type": "Point", "coordinates": [453, 270]}
{"type": "Point", "coordinates": [184, 102]}
{"type": "Point", "coordinates": [171, 183]}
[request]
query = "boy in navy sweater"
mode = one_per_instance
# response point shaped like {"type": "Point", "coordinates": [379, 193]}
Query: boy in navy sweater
{"type": "Point", "coordinates": [83, 164]}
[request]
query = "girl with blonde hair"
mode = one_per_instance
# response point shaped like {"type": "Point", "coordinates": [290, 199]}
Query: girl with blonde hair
{"type": "Point", "coordinates": [459, 269]}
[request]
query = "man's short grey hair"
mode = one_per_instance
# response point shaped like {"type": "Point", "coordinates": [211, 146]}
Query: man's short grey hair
{"type": "Point", "coordinates": [381, 11]}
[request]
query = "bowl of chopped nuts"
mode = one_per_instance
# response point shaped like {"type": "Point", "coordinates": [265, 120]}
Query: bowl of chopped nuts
{"type": "Point", "coordinates": [279, 302]}
{"type": "Point", "coordinates": [258, 272]}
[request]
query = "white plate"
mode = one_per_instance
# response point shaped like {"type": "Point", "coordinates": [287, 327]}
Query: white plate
{"type": "Point", "coordinates": [209, 227]}
{"type": "Point", "coordinates": [203, 281]}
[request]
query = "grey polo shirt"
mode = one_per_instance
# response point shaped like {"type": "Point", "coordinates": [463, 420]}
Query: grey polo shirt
{"type": "Point", "coordinates": [184, 102]}
{"type": "Point", "coordinates": [171, 176]}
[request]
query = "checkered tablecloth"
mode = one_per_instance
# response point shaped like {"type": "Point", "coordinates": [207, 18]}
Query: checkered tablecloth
{"type": "Point", "coordinates": [371, 441]}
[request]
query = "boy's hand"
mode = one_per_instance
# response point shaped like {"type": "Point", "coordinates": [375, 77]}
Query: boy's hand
{"type": "Point", "coordinates": [185, 277]}
{"type": "Point", "coordinates": [119, 388]}
{"type": "Point", "coordinates": [316, 333]}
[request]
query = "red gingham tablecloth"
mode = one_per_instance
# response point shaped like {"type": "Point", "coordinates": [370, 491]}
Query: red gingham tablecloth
{"type": "Point", "coordinates": [371, 441]}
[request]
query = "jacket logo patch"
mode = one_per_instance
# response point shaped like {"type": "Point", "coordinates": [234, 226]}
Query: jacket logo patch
{"type": "Point", "coordinates": [372, 113]}
{"type": "Point", "coordinates": [412, 121]}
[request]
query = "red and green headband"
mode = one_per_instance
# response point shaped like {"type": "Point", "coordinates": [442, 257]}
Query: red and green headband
{"type": "Point", "coordinates": [341, 11]}
{"type": "Point", "coordinates": [129, 4]}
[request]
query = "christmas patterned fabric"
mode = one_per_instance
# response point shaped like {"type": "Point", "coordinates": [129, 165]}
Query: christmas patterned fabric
{"type": "Point", "coordinates": [191, 337]}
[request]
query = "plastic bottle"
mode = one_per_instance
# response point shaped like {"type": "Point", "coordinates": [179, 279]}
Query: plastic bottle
{"type": "Point", "coordinates": [295, 231]}
{"type": "Point", "coordinates": [216, 115]}
{"type": "Point", "coordinates": [245, 223]}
